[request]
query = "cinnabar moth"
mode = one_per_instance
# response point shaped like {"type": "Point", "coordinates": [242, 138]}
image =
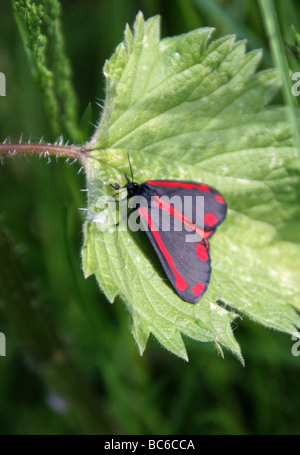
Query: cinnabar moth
{"type": "Point", "coordinates": [186, 264]}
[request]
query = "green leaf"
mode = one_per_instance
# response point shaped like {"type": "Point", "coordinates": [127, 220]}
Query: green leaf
{"type": "Point", "coordinates": [190, 108]}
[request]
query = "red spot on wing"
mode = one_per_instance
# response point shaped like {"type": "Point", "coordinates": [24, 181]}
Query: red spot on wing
{"type": "Point", "coordinates": [180, 284]}
{"type": "Point", "coordinates": [201, 251]}
{"type": "Point", "coordinates": [187, 186]}
{"type": "Point", "coordinates": [219, 199]}
{"type": "Point", "coordinates": [198, 289]}
{"type": "Point", "coordinates": [210, 219]}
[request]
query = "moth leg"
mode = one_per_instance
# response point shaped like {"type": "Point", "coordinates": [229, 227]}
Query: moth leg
{"type": "Point", "coordinates": [125, 216]}
{"type": "Point", "coordinates": [116, 186]}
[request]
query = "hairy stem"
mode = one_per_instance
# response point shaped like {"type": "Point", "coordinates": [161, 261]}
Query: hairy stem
{"type": "Point", "coordinates": [65, 151]}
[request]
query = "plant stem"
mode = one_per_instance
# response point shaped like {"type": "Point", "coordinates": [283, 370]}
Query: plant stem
{"type": "Point", "coordinates": [276, 44]}
{"type": "Point", "coordinates": [40, 27]}
{"type": "Point", "coordinates": [66, 151]}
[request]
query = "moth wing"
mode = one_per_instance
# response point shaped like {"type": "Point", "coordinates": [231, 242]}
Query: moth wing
{"type": "Point", "coordinates": [186, 263]}
{"type": "Point", "coordinates": [215, 207]}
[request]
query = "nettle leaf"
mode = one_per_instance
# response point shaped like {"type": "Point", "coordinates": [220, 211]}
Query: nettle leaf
{"type": "Point", "coordinates": [190, 108]}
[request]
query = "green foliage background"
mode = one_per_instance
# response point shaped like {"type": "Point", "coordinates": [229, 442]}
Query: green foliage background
{"type": "Point", "coordinates": [92, 379]}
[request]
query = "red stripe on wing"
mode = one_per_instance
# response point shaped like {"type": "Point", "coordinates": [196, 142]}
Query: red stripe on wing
{"type": "Point", "coordinates": [180, 284]}
{"type": "Point", "coordinates": [188, 186]}
{"type": "Point", "coordinates": [184, 219]}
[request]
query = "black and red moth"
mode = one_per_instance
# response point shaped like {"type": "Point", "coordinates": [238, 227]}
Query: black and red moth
{"type": "Point", "coordinates": [186, 264]}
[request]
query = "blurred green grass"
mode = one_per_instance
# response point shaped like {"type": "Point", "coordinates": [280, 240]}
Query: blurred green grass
{"type": "Point", "coordinates": [39, 209]}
